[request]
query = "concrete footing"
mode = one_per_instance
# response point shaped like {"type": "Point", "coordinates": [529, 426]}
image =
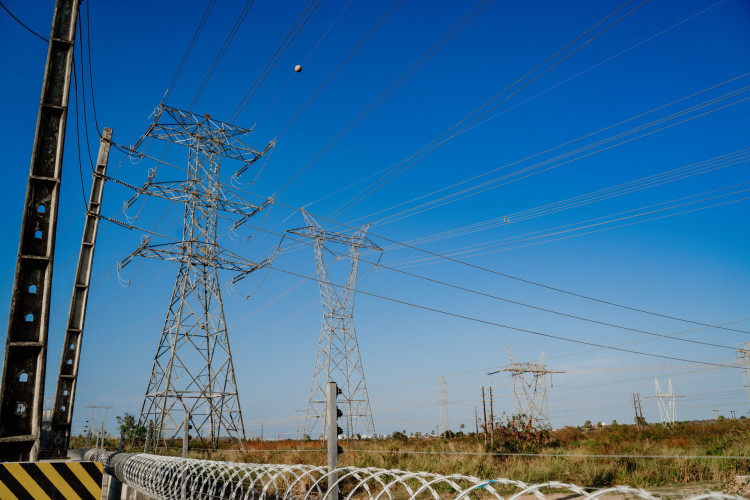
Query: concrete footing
{"type": "Point", "coordinates": [113, 489]}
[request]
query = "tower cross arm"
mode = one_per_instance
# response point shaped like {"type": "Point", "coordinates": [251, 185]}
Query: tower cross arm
{"type": "Point", "coordinates": [335, 237]}
{"type": "Point", "coordinates": [183, 127]}
{"type": "Point", "coordinates": [181, 251]}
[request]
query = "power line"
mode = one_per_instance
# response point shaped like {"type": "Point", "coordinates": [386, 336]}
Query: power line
{"type": "Point", "coordinates": [22, 24]}
{"type": "Point", "coordinates": [510, 301]}
{"type": "Point", "coordinates": [222, 50]}
{"type": "Point", "coordinates": [447, 37]}
{"type": "Point", "coordinates": [516, 278]}
{"type": "Point", "coordinates": [342, 64]}
{"type": "Point", "coordinates": [282, 48]}
{"type": "Point", "coordinates": [492, 323]}
{"type": "Point", "coordinates": [189, 49]}
{"type": "Point", "coordinates": [480, 112]}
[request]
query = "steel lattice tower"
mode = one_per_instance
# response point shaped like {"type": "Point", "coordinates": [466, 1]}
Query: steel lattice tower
{"type": "Point", "coordinates": [743, 356]}
{"type": "Point", "coordinates": [666, 402]}
{"type": "Point", "coordinates": [443, 426]}
{"type": "Point", "coordinates": [193, 370]}
{"type": "Point", "coordinates": [337, 357]}
{"type": "Point", "coordinates": [530, 388]}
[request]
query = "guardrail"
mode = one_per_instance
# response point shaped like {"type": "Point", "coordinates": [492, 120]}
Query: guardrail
{"type": "Point", "coordinates": [184, 478]}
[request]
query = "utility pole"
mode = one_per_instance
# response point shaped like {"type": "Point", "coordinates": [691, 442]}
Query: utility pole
{"type": "Point", "coordinates": [185, 435]}
{"type": "Point", "coordinates": [62, 414]}
{"type": "Point", "coordinates": [716, 414]}
{"type": "Point", "coordinates": [638, 410]}
{"type": "Point", "coordinates": [484, 411]}
{"type": "Point", "coordinates": [22, 383]}
{"type": "Point", "coordinates": [492, 420]}
{"type": "Point", "coordinates": [149, 430]}
{"type": "Point", "coordinates": [476, 422]}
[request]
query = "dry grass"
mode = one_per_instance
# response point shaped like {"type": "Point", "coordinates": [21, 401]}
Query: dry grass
{"type": "Point", "coordinates": [468, 455]}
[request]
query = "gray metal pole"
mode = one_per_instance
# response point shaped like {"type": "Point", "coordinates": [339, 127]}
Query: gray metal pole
{"type": "Point", "coordinates": [62, 415]}
{"type": "Point", "coordinates": [185, 435]}
{"type": "Point", "coordinates": [333, 441]}
{"type": "Point", "coordinates": [149, 425]}
{"type": "Point", "coordinates": [122, 437]}
{"type": "Point", "coordinates": [22, 386]}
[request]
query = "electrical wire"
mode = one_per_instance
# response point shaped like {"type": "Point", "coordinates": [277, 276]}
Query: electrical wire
{"type": "Point", "coordinates": [492, 323]}
{"type": "Point", "coordinates": [503, 299]}
{"type": "Point", "coordinates": [388, 13]}
{"type": "Point", "coordinates": [509, 276]}
{"type": "Point", "coordinates": [475, 116]}
{"type": "Point", "coordinates": [91, 78]}
{"type": "Point", "coordinates": [282, 48]}
{"type": "Point", "coordinates": [222, 50]}
{"type": "Point", "coordinates": [447, 37]}
{"type": "Point", "coordinates": [22, 24]}
{"type": "Point", "coordinates": [189, 50]}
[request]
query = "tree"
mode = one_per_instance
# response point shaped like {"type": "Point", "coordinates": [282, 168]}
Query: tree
{"type": "Point", "coordinates": [131, 429]}
{"type": "Point", "coordinates": [400, 436]}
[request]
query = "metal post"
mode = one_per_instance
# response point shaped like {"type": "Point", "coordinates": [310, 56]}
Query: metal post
{"type": "Point", "coordinates": [122, 437]}
{"type": "Point", "coordinates": [492, 420]}
{"type": "Point", "coordinates": [484, 411]}
{"type": "Point", "coordinates": [185, 435]}
{"type": "Point", "coordinates": [22, 386]}
{"type": "Point", "coordinates": [333, 442]}
{"type": "Point", "coordinates": [62, 414]}
{"type": "Point", "coordinates": [149, 425]}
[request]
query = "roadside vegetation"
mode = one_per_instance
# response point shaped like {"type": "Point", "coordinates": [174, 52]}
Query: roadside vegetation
{"type": "Point", "coordinates": [645, 457]}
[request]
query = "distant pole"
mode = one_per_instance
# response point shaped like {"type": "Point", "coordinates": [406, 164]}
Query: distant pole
{"type": "Point", "coordinates": [122, 437]}
{"type": "Point", "coordinates": [476, 422]}
{"type": "Point", "coordinates": [149, 425]}
{"type": "Point", "coordinates": [484, 411]}
{"type": "Point", "coordinates": [185, 435]}
{"type": "Point", "coordinates": [492, 420]}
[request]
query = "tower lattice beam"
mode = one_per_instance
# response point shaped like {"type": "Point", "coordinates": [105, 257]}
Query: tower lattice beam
{"type": "Point", "coordinates": [338, 358]}
{"type": "Point", "coordinates": [193, 370]}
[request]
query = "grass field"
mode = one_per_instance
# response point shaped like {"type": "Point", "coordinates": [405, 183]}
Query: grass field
{"type": "Point", "coordinates": [516, 454]}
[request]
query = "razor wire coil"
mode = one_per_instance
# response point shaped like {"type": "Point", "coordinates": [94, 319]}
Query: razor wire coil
{"type": "Point", "coordinates": [173, 478]}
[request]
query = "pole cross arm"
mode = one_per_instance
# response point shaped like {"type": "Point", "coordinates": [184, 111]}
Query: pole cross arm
{"type": "Point", "coordinates": [219, 138]}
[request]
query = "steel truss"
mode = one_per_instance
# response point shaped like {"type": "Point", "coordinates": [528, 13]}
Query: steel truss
{"type": "Point", "coordinates": [338, 359]}
{"type": "Point", "coordinates": [193, 370]}
{"type": "Point", "coordinates": [530, 388]}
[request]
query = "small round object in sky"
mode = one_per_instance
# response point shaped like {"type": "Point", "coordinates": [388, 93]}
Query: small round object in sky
{"type": "Point", "coordinates": [298, 68]}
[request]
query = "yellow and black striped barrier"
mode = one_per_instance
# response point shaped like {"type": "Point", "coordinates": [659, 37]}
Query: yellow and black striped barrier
{"type": "Point", "coordinates": [51, 481]}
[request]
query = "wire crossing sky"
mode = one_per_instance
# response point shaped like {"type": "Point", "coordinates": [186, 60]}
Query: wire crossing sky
{"type": "Point", "coordinates": [578, 172]}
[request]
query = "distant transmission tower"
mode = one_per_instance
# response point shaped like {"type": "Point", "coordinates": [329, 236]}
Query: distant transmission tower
{"type": "Point", "coordinates": [666, 402]}
{"type": "Point", "coordinates": [443, 425]}
{"type": "Point", "coordinates": [337, 357]}
{"type": "Point", "coordinates": [193, 370]}
{"type": "Point", "coordinates": [743, 356]}
{"type": "Point", "coordinates": [530, 388]}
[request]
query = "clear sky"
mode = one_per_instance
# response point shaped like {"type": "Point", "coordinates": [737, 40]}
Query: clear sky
{"type": "Point", "coordinates": [617, 170]}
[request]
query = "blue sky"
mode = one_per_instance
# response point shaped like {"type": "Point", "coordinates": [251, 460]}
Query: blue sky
{"type": "Point", "coordinates": [661, 90]}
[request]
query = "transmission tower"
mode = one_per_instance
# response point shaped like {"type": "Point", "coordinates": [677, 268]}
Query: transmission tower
{"type": "Point", "coordinates": [743, 356]}
{"type": "Point", "coordinates": [193, 370]}
{"type": "Point", "coordinates": [530, 388]}
{"type": "Point", "coordinates": [666, 402]}
{"type": "Point", "coordinates": [337, 357]}
{"type": "Point", "coordinates": [443, 425]}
